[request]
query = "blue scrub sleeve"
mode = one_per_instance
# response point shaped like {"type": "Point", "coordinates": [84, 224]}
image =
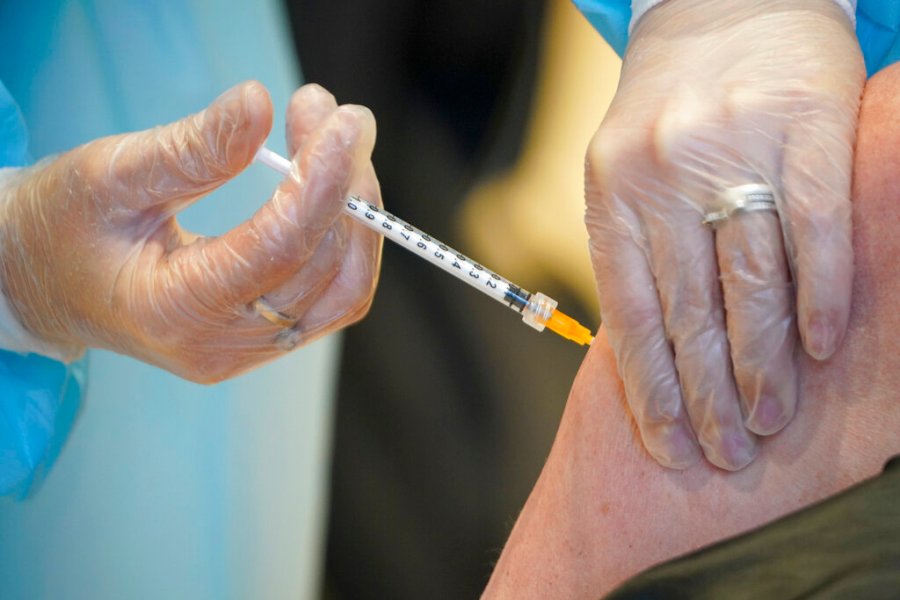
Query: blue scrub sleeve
{"type": "Point", "coordinates": [13, 136]}
{"type": "Point", "coordinates": [878, 30]}
{"type": "Point", "coordinates": [877, 27]}
{"type": "Point", "coordinates": [610, 18]}
{"type": "Point", "coordinates": [39, 397]}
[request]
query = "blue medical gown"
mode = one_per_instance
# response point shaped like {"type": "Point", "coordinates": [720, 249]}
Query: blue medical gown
{"type": "Point", "coordinates": [39, 397]}
{"type": "Point", "coordinates": [165, 488]}
{"type": "Point", "coordinates": [877, 27]}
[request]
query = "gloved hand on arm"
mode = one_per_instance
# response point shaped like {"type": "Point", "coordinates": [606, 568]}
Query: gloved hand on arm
{"type": "Point", "coordinates": [92, 255]}
{"type": "Point", "coordinates": [715, 95]}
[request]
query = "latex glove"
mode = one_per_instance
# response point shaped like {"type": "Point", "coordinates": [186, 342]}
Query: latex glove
{"type": "Point", "coordinates": [92, 254]}
{"type": "Point", "coordinates": [715, 94]}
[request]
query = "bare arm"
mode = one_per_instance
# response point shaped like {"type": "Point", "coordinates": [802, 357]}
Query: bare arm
{"type": "Point", "coordinates": [603, 510]}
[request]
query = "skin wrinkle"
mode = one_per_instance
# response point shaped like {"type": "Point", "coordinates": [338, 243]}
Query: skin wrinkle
{"type": "Point", "coordinates": [217, 284]}
{"type": "Point", "coordinates": [227, 138]}
{"type": "Point", "coordinates": [20, 244]}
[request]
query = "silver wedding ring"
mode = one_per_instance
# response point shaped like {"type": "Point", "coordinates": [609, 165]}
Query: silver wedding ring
{"type": "Point", "coordinates": [750, 197]}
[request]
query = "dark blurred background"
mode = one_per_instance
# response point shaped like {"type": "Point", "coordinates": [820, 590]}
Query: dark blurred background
{"type": "Point", "coordinates": [447, 404]}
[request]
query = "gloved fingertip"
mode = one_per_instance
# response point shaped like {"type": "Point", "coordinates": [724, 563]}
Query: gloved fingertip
{"type": "Point", "coordinates": [258, 106]}
{"type": "Point", "coordinates": [676, 449]}
{"type": "Point", "coordinates": [340, 132]}
{"type": "Point", "coordinates": [363, 113]}
{"type": "Point", "coordinates": [732, 451]}
{"type": "Point", "coordinates": [678, 462]}
{"type": "Point", "coordinates": [358, 121]}
{"type": "Point", "coordinates": [769, 415]}
{"type": "Point", "coordinates": [311, 96]}
{"type": "Point", "coordinates": [348, 131]}
{"type": "Point", "coordinates": [249, 100]}
{"type": "Point", "coordinates": [820, 337]}
{"type": "Point", "coordinates": [234, 126]}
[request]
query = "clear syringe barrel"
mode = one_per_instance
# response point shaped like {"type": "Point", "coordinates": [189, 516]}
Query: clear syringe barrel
{"type": "Point", "coordinates": [536, 309]}
{"type": "Point", "coordinates": [443, 256]}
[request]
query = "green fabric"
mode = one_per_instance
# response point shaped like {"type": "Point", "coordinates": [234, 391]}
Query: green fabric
{"type": "Point", "coordinates": [845, 547]}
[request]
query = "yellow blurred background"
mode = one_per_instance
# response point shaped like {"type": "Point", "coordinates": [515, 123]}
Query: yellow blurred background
{"type": "Point", "coordinates": [528, 223]}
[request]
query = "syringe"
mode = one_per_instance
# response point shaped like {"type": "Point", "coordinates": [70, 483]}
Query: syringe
{"type": "Point", "coordinates": [537, 310]}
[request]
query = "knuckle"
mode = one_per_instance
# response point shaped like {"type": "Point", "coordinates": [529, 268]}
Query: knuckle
{"type": "Point", "coordinates": [614, 145]}
{"type": "Point", "coordinates": [687, 128]}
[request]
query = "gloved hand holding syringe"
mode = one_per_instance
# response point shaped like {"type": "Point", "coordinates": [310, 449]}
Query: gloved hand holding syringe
{"type": "Point", "coordinates": [538, 310]}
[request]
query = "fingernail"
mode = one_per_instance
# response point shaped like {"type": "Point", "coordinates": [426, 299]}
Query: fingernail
{"type": "Point", "coordinates": [310, 95]}
{"type": "Point", "coordinates": [733, 451]}
{"type": "Point", "coordinates": [768, 416]}
{"type": "Point", "coordinates": [820, 338]}
{"type": "Point", "coordinates": [310, 106]}
{"type": "Point", "coordinates": [349, 124]}
{"type": "Point", "coordinates": [680, 450]}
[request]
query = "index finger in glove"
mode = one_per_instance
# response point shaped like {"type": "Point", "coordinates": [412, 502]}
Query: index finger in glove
{"type": "Point", "coordinates": [335, 287]}
{"type": "Point", "coordinates": [348, 295]}
{"type": "Point", "coordinates": [350, 253]}
{"type": "Point", "coordinates": [633, 320]}
{"type": "Point", "coordinates": [632, 315]}
{"type": "Point", "coordinates": [309, 107]}
{"type": "Point", "coordinates": [263, 252]}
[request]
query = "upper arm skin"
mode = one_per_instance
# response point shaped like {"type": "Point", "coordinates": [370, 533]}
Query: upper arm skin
{"type": "Point", "coordinates": [603, 510]}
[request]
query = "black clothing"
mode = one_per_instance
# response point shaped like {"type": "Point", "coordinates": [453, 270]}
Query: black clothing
{"type": "Point", "coordinates": [847, 546]}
